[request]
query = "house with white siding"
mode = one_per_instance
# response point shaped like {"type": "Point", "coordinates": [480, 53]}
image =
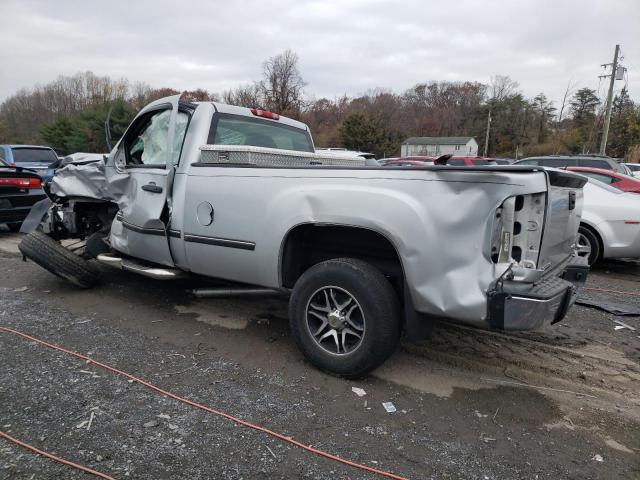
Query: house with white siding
{"type": "Point", "coordinates": [436, 146]}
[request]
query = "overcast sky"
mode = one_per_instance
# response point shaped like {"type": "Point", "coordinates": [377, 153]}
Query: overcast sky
{"type": "Point", "coordinates": [345, 47]}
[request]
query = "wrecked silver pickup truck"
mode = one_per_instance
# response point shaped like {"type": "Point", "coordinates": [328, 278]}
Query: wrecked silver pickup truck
{"type": "Point", "coordinates": [366, 252]}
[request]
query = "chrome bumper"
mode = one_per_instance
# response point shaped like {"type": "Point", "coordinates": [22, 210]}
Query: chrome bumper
{"type": "Point", "coordinates": [518, 307]}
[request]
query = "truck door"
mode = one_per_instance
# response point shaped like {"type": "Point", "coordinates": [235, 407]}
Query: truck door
{"type": "Point", "coordinates": [146, 158]}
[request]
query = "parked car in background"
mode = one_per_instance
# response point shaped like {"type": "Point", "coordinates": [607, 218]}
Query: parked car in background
{"type": "Point", "coordinates": [563, 161]}
{"type": "Point", "coordinates": [634, 167]}
{"type": "Point", "coordinates": [610, 223]}
{"type": "Point", "coordinates": [34, 157]}
{"type": "Point", "coordinates": [343, 151]}
{"type": "Point", "coordinates": [19, 190]}
{"type": "Point", "coordinates": [415, 161]}
{"type": "Point", "coordinates": [420, 161]}
{"type": "Point", "coordinates": [471, 161]}
{"type": "Point", "coordinates": [617, 180]}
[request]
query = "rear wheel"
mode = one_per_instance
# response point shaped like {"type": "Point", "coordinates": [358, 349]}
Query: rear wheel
{"type": "Point", "coordinates": [589, 245]}
{"type": "Point", "coordinates": [345, 317]}
{"type": "Point", "coordinates": [52, 256]}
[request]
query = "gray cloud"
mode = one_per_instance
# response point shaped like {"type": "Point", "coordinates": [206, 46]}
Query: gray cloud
{"type": "Point", "coordinates": [344, 47]}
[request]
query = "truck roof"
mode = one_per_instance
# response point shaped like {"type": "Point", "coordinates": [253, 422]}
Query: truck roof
{"type": "Point", "coordinates": [246, 112]}
{"type": "Point", "coordinates": [231, 109]}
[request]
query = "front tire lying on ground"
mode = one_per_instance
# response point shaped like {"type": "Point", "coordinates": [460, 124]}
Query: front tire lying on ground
{"type": "Point", "coordinates": [49, 254]}
{"type": "Point", "coordinates": [345, 317]}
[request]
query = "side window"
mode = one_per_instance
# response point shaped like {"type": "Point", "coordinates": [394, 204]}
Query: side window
{"type": "Point", "coordinates": [528, 162]}
{"type": "Point", "coordinates": [148, 141]}
{"type": "Point", "coordinates": [602, 178]}
{"type": "Point", "coordinates": [595, 164]}
{"type": "Point", "coordinates": [558, 162]}
{"type": "Point", "coordinates": [456, 162]}
{"type": "Point", "coordinates": [182, 122]}
{"type": "Point", "coordinates": [2, 154]}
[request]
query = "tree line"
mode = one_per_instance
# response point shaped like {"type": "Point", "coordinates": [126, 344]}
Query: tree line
{"type": "Point", "coordinates": [69, 113]}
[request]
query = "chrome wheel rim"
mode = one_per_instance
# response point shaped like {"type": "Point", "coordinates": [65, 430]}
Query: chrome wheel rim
{"type": "Point", "coordinates": [584, 246]}
{"type": "Point", "coordinates": [335, 320]}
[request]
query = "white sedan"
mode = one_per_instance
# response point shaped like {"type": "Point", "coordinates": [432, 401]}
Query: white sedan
{"type": "Point", "coordinates": [610, 224]}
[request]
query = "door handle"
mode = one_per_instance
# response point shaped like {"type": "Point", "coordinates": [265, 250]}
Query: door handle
{"type": "Point", "coordinates": [152, 187]}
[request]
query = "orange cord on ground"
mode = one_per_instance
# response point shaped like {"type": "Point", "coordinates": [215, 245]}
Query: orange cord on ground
{"type": "Point", "coordinates": [244, 423]}
{"type": "Point", "coordinates": [53, 457]}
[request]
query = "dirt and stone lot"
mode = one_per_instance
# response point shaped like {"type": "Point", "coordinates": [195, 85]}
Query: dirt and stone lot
{"type": "Point", "coordinates": [563, 403]}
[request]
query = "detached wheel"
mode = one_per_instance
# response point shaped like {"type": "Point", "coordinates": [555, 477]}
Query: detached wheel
{"type": "Point", "coordinates": [52, 256]}
{"type": "Point", "coordinates": [589, 245]}
{"type": "Point", "coordinates": [345, 317]}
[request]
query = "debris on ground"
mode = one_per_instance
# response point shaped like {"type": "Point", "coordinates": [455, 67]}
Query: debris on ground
{"type": "Point", "coordinates": [597, 457]}
{"type": "Point", "coordinates": [622, 326]}
{"type": "Point", "coordinates": [358, 391]}
{"type": "Point", "coordinates": [486, 439]}
{"type": "Point", "coordinates": [389, 407]}
{"type": "Point", "coordinates": [616, 308]}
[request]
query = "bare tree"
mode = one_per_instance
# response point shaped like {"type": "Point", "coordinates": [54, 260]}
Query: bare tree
{"type": "Point", "coordinates": [501, 87]}
{"type": "Point", "coordinates": [282, 84]}
{"type": "Point", "coordinates": [244, 96]}
{"type": "Point", "coordinates": [569, 91]}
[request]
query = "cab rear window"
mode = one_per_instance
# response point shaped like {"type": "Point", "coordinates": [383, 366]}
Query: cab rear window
{"type": "Point", "coordinates": [239, 130]}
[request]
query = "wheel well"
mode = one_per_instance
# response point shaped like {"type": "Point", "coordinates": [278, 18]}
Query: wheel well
{"type": "Point", "coordinates": [597, 235]}
{"type": "Point", "coordinates": [309, 244]}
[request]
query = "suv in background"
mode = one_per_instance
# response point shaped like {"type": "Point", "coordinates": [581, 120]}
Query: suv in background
{"type": "Point", "coordinates": [34, 157]}
{"type": "Point", "coordinates": [634, 168]}
{"type": "Point", "coordinates": [561, 161]}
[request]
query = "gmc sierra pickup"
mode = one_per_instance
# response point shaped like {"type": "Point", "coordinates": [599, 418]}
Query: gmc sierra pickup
{"type": "Point", "coordinates": [366, 252]}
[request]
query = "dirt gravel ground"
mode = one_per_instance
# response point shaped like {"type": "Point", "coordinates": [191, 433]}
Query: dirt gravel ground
{"type": "Point", "coordinates": [470, 404]}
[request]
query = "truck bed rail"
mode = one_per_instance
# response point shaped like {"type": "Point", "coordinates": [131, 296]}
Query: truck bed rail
{"type": "Point", "coordinates": [273, 157]}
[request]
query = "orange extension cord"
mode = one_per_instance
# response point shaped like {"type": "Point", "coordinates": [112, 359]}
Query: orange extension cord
{"type": "Point", "coordinates": [166, 393]}
{"type": "Point", "coordinates": [53, 457]}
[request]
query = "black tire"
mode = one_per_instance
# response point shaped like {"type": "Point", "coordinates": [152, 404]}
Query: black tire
{"type": "Point", "coordinates": [14, 227]}
{"type": "Point", "coordinates": [371, 292]}
{"type": "Point", "coordinates": [52, 256]}
{"type": "Point", "coordinates": [585, 234]}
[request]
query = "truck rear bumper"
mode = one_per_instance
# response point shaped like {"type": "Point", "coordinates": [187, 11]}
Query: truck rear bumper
{"type": "Point", "coordinates": [543, 303]}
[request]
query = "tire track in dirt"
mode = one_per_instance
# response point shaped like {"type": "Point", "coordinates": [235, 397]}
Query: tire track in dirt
{"type": "Point", "coordinates": [556, 361]}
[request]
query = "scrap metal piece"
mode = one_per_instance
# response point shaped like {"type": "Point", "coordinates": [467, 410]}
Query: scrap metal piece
{"type": "Point", "coordinates": [616, 308]}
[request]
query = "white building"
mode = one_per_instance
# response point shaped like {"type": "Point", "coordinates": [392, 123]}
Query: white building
{"type": "Point", "coordinates": [436, 146]}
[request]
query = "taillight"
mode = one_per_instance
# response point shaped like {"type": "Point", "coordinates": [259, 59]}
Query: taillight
{"type": "Point", "coordinates": [21, 182]}
{"type": "Point", "coordinates": [265, 114]}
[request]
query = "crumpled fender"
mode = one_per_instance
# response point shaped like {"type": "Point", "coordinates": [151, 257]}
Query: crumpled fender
{"type": "Point", "coordinates": [36, 215]}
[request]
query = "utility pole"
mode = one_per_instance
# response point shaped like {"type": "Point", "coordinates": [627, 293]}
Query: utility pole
{"type": "Point", "coordinates": [486, 138]}
{"type": "Point", "coordinates": [607, 118]}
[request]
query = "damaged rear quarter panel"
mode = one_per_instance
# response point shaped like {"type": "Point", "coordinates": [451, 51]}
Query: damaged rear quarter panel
{"type": "Point", "coordinates": [440, 223]}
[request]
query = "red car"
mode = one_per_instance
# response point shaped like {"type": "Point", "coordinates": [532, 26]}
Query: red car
{"type": "Point", "coordinates": [420, 161]}
{"type": "Point", "coordinates": [615, 179]}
